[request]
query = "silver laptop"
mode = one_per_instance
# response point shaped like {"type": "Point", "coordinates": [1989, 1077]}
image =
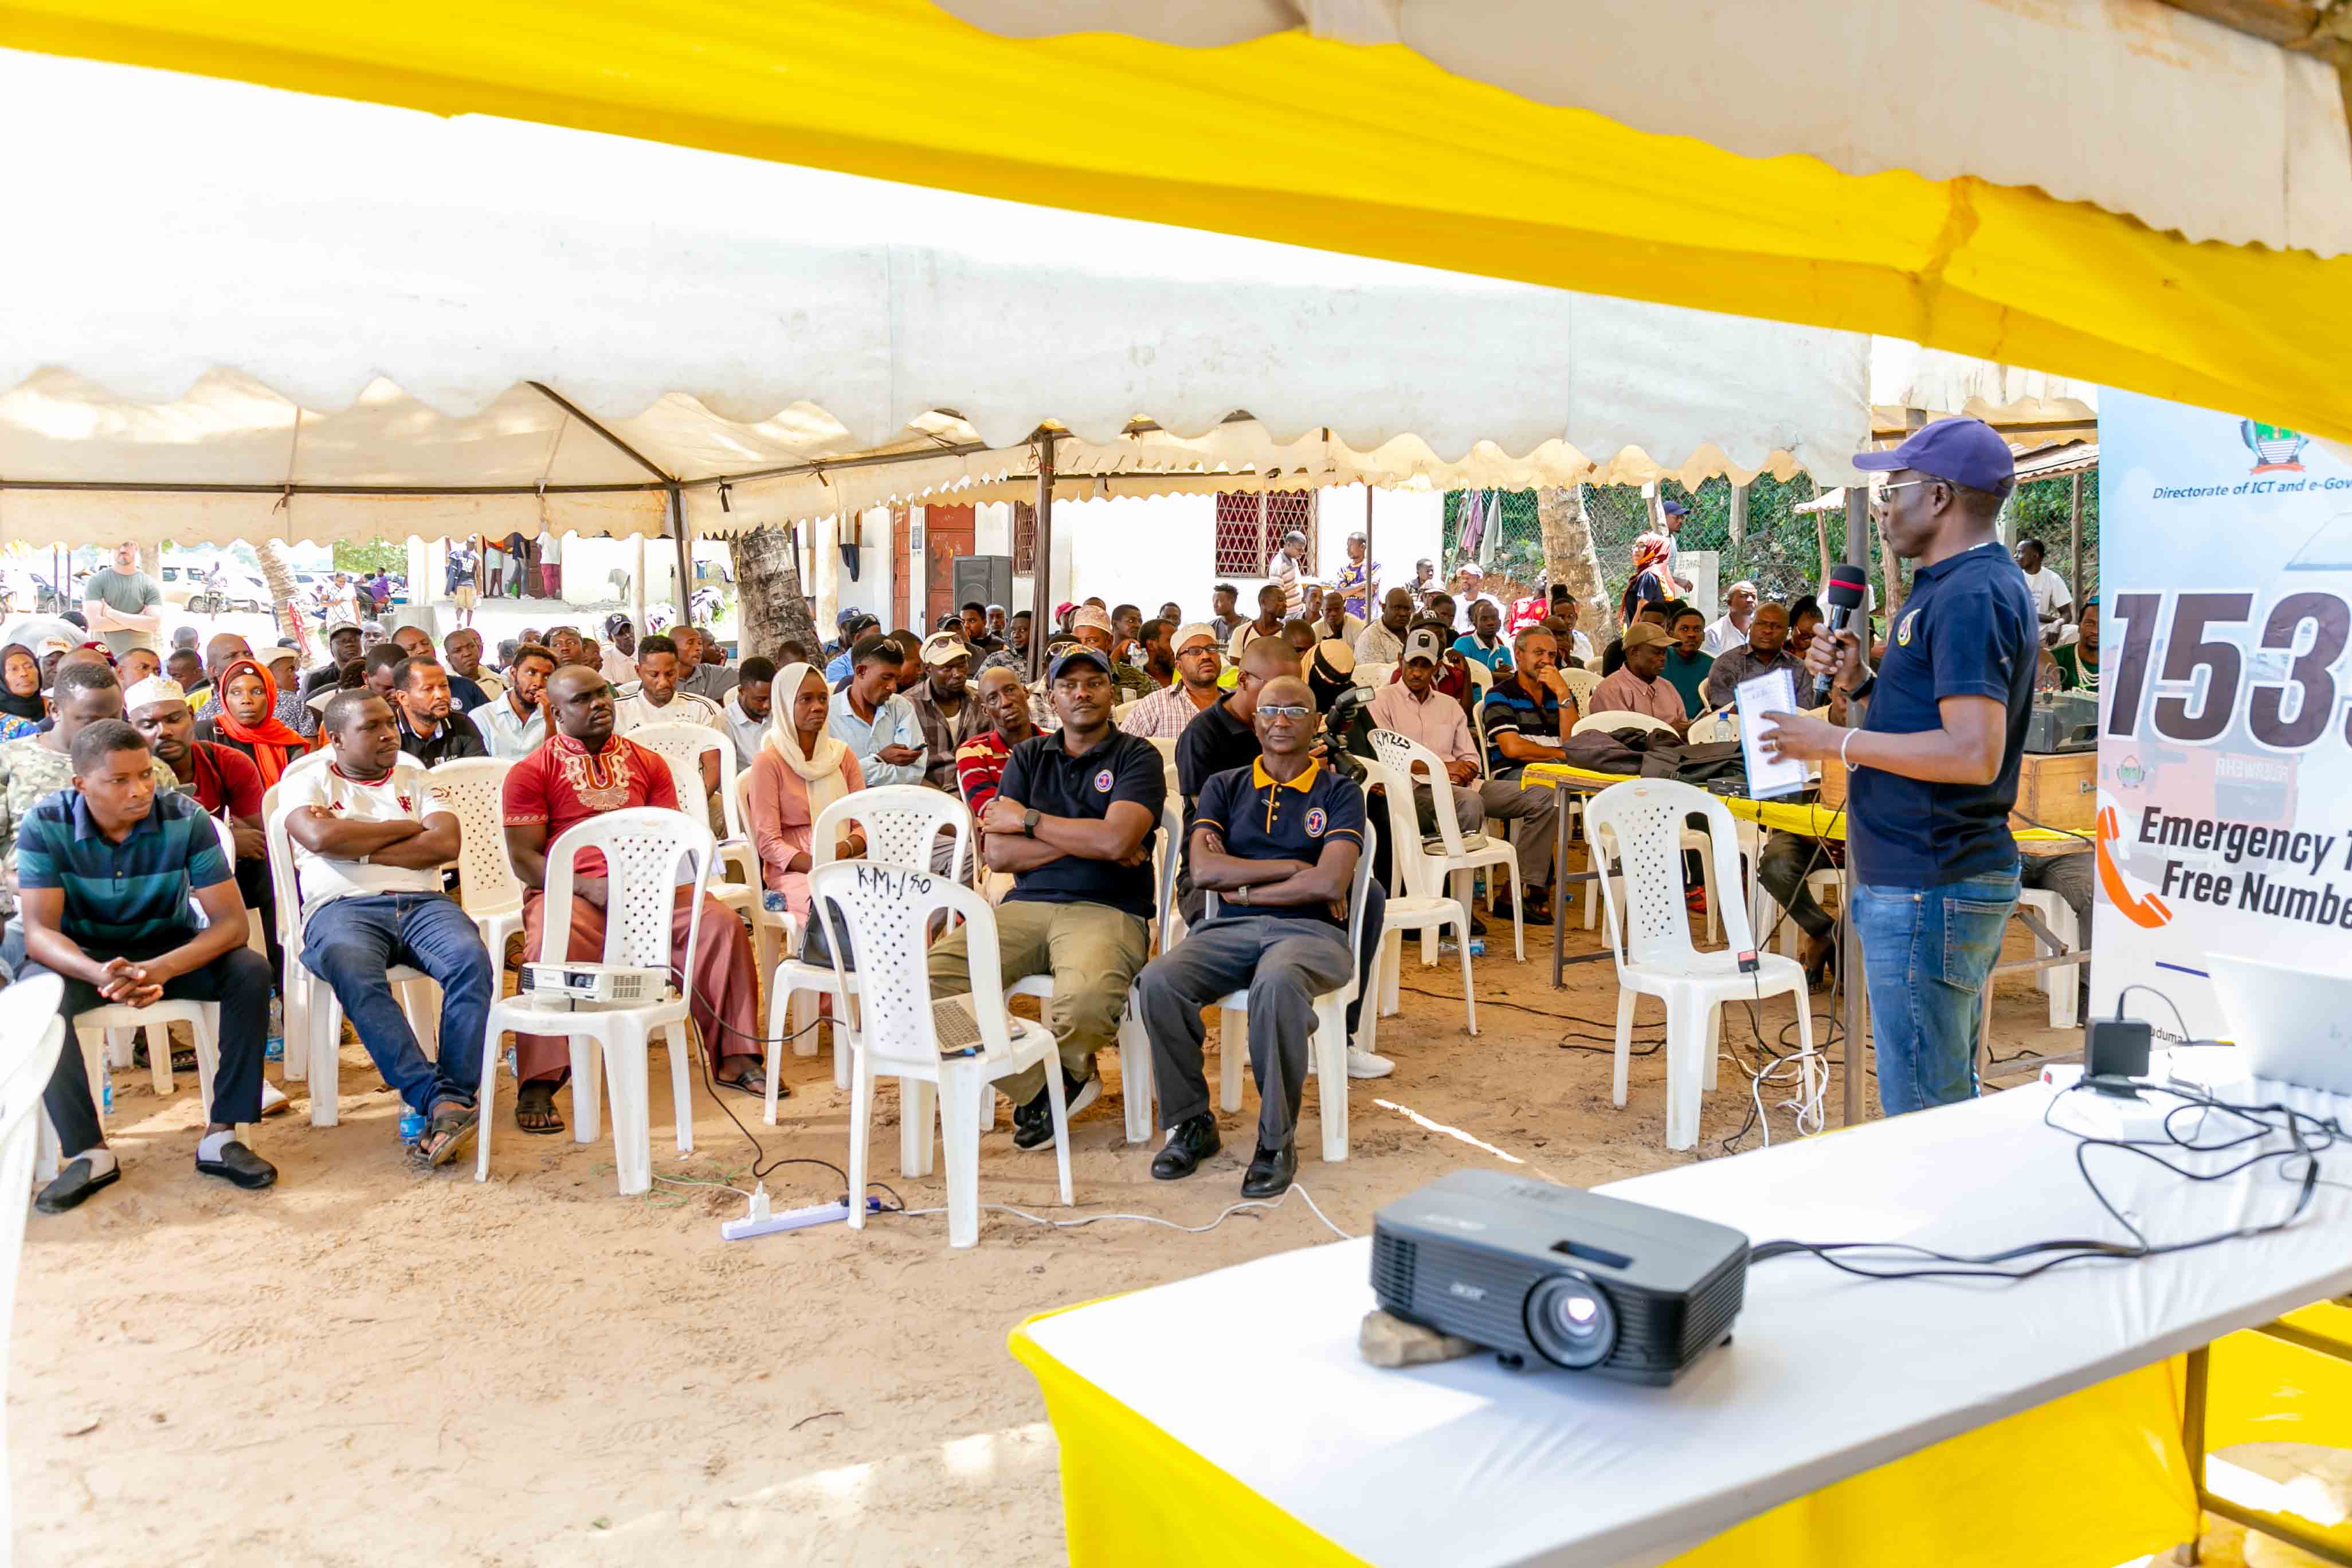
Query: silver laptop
{"type": "Point", "coordinates": [2290, 1025]}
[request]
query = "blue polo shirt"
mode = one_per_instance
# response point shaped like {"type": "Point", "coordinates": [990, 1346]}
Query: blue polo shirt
{"type": "Point", "coordinates": [1042, 773]}
{"type": "Point", "coordinates": [127, 897]}
{"type": "Point", "coordinates": [1261, 818]}
{"type": "Point", "coordinates": [1969, 629]}
{"type": "Point", "coordinates": [1509, 711]}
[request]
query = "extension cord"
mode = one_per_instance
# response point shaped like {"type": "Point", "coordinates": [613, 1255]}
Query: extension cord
{"type": "Point", "coordinates": [762, 1222]}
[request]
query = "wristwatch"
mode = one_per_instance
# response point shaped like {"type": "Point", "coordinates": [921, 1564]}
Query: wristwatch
{"type": "Point", "coordinates": [1029, 823]}
{"type": "Point", "coordinates": [1240, 895]}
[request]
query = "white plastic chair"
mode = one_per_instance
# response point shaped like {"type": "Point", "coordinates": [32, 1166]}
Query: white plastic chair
{"type": "Point", "coordinates": [1135, 1083]}
{"type": "Point", "coordinates": [884, 913]}
{"type": "Point", "coordinates": [314, 1015]}
{"type": "Point", "coordinates": [1615, 719]}
{"type": "Point", "coordinates": [645, 848]}
{"type": "Point", "coordinates": [682, 746]}
{"type": "Point", "coordinates": [1653, 952]}
{"type": "Point", "coordinates": [474, 788]}
{"type": "Point", "coordinates": [30, 1043]}
{"type": "Point", "coordinates": [1424, 905]}
{"type": "Point", "coordinates": [1721, 724]}
{"type": "Point", "coordinates": [1580, 682]}
{"type": "Point", "coordinates": [1458, 856]}
{"type": "Point", "coordinates": [2062, 982]}
{"type": "Point", "coordinates": [1328, 1053]}
{"type": "Point", "coordinates": [1373, 674]}
{"type": "Point", "coordinates": [901, 822]}
{"type": "Point", "coordinates": [1480, 676]}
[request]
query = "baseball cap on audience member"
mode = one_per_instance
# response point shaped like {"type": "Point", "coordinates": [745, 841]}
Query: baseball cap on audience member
{"type": "Point", "coordinates": [1642, 634]}
{"type": "Point", "coordinates": [1187, 634]}
{"type": "Point", "coordinates": [843, 619]}
{"type": "Point", "coordinates": [944, 647]}
{"type": "Point", "coordinates": [1079, 653]}
{"type": "Point", "coordinates": [1674, 508]}
{"type": "Point", "coordinates": [1063, 608]}
{"type": "Point", "coordinates": [1092, 619]}
{"type": "Point", "coordinates": [271, 658]}
{"type": "Point", "coordinates": [1420, 643]}
{"type": "Point", "coordinates": [154, 688]}
{"type": "Point", "coordinates": [1960, 451]}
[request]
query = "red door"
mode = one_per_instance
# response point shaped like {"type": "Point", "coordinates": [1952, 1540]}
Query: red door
{"type": "Point", "coordinates": [948, 531]}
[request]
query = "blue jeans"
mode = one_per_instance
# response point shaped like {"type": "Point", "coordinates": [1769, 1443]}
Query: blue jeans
{"type": "Point", "coordinates": [350, 943]}
{"type": "Point", "coordinates": [1925, 954]}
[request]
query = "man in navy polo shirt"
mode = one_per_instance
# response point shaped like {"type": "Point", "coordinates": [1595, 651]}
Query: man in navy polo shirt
{"type": "Point", "coordinates": [1933, 768]}
{"type": "Point", "coordinates": [1278, 841]}
{"type": "Point", "coordinates": [106, 870]}
{"type": "Point", "coordinates": [1073, 818]}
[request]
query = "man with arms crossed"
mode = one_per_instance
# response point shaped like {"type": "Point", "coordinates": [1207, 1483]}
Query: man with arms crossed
{"type": "Point", "coordinates": [121, 602]}
{"type": "Point", "coordinates": [1073, 818]}
{"type": "Point", "coordinates": [1277, 842]}
{"type": "Point", "coordinates": [369, 840]}
{"type": "Point", "coordinates": [1932, 771]}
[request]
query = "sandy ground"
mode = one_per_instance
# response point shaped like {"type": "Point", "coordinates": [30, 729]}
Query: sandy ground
{"type": "Point", "coordinates": [367, 1363]}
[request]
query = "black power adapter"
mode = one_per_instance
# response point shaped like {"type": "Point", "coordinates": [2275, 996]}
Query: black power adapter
{"type": "Point", "coordinates": [2114, 1053]}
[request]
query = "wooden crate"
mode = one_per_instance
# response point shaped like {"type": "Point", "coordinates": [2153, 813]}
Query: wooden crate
{"type": "Point", "coordinates": [2060, 790]}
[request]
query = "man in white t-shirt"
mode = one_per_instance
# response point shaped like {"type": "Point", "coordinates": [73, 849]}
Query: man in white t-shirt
{"type": "Point", "coordinates": [1729, 630]}
{"type": "Point", "coordinates": [660, 699]}
{"type": "Point", "coordinates": [2052, 600]}
{"type": "Point", "coordinates": [369, 840]}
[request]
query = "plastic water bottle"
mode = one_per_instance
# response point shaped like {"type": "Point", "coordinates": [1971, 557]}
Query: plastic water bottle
{"type": "Point", "coordinates": [106, 1094]}
{"type": "Point", "coordinates": [273, 1047]}
{"type": "Point", "coordinates": [412, 1126]}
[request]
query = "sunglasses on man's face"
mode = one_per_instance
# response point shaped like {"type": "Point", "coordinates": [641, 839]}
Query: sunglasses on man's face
{"type": "Point", "coordinates": [1284, 711]}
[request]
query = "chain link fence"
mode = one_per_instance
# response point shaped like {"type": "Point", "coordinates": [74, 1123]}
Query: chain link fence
{"type": "Point", "coordinates": [1781, 550]}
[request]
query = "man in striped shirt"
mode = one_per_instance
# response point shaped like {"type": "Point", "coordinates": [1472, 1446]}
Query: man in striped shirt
{"type": "Point", "coordinates": [106, 872]}
{"type": "Point", "coordinates": [1164, 715]}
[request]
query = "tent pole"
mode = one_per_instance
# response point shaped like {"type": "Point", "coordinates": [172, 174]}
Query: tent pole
{"type": "Point", "coordinates": [1371, 604]}
{"type": "Point", "coordinates": [1849, 971]}
{"type": "Point", "coordinates": [2074, 526]}
{"type": "Point", "coordinates": [1041, 580]}
{"type": "Point", "coordinates": [685, 557]}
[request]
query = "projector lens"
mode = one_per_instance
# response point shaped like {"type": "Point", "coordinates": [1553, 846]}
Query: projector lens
{"type": "Point", "coordinates": [1570, 1320]}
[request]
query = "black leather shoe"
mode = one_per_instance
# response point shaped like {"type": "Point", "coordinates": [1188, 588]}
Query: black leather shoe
{"type": "Point", "coordinates": [1270, 1172]}
{"type": "Point", "coordinates": [239, 1165]}
{"type": "Point", "coordinates": [1033, 1124]}
{"type": "Point", "coordinates": [76, 1184]}
{"type": "Point", "coordinates": [1189, 1143]}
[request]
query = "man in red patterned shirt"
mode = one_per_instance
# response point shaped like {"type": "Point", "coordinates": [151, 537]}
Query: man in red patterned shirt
{"type": "Point", "coordinates": [979, 762]}
{"type": "Point", "coordinates": [583, 771]}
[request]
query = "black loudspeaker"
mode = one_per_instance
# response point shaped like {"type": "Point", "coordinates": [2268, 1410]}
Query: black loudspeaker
{"type": "Point", "coordinates": [985, 578]}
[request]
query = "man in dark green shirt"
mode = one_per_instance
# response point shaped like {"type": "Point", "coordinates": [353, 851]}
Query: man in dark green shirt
{"type": "Point", "coordinates": [2078, 662]}
{"type": "Point", "coordinates": [1687, 666]}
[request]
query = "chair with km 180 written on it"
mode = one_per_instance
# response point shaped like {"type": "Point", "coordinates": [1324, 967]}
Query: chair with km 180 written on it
{"type": "Point", "coordinates": [960, 1045]}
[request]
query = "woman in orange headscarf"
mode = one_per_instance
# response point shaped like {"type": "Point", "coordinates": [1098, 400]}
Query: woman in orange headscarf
{"type": "Point", "coordinates": [247, 719]}
{"type": "Point", "coordinates": [1648, 581]}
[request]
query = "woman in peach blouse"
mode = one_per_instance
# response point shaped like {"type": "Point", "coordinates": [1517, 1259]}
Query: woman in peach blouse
{"type": "Point", "coordinates": [800, 770]}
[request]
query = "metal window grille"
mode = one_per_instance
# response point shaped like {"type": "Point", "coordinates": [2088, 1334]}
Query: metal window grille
{"type": "Point", "coordinates": [1250, 527]}
{"type": "Point", "coordinates": [1024, 539]}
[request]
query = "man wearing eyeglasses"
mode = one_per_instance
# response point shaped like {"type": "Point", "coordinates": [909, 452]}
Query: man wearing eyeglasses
{"type": "Point", "coordinates": [1277, 842]}
{"type": "Point", "coordinates": [1933, 766]}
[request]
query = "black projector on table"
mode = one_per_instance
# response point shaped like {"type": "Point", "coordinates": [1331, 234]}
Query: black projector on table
{"type": "Point", "coordinates": [1526, 1267]}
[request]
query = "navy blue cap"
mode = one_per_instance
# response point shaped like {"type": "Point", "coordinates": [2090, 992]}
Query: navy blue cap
{"type": "Point", "coordinates": [1963, 451]}
{"type": "Point", "coordinates": [1674, 508]}
{"type": "Point", "coordinates": [1078, 654]}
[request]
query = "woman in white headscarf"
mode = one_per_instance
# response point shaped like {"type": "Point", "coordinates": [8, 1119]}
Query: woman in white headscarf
{"type": "Point", "coordinates": [800, 770]}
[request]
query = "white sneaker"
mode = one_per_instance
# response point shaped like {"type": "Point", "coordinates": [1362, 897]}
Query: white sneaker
{"type": "Point", "coordinates": [1361, 1063]}
{"type": "Point", "coordinates": [272, 1099]}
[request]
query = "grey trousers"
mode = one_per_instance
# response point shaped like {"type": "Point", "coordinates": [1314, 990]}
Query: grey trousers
{"type": "Point", "coordinates": [1284, 963]}
{"type": "Point", "coordinates": [1537, 812]}
{"type": "Point", "coordinates": [2070, 878]}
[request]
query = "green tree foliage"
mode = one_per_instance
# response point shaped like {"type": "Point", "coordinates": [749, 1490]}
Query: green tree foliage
{"type": "Point", "coordinates": [373, 557]}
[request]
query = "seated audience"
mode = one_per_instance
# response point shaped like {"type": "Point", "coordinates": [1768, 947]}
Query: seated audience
{"type": "Point", "coordinates": [1164, 715]}
{"type": "Point", "coordinates": [1640, 685]}
{"type": "Point", "coordinates": [746, 711]}
{"type": "Point", "coordinates": [2078, 661]}
{"type": "Point", "coordinates": [1278, 842]}
{"type": "Point", "coordinates": [1093, 628]}
{"type": "Point", "coordinates": [1009, 720]}
{"type": "Point", "coordinates": [515, 723]}
{"type": "Point", "coordinates": [874, 721]}
{"type": "Point", "coordinates": [801, 769]}
{"type": "Point", "coordinates": [429, 730]}
{"type": "Point", "coordinates": [284, 667]}
{"type": "Point", "coordinates": [1383, 642]}
{"type": "Point", "coordinates": [246, 721]}
{"type": "Point", "coordinates": [1764, 652]}
{"type": "Point", "coordinates": [22, 707]}
{"type": "Point", "coordinates": [583, 771]}
{"type": "Point", "coordinates": [223, 780]}
{"type": "Point", "coordinates": [1686, 664]}
{"type": "Point", "coordinates": [1484, 641]}
{"type": "Point", "coordinates": [470, 686]}
{"type": "Point", "coordinates": [944, 707]}
{"type": "Point", "coordinates": [342, 646]}
{"type": "Point", "coordinates": [111, 874]}
{"type": "Point", "coordinates": [1271, 604]}
{"type": "Point", "coordinates": [369, 839]}
{"type": "Point", "coordinates": [1072, 820]}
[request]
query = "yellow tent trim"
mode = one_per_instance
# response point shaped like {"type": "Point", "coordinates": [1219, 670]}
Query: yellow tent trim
{"type": "Point", "coordinates": [1372, 151]}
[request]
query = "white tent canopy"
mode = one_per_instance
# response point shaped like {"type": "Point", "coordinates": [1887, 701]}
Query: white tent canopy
{"type": "Point", "coordinates": [267, 315]}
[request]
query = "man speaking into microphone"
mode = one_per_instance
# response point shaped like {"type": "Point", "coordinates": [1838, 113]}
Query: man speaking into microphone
{"type": "Point", "coordinates": [1932, 761]}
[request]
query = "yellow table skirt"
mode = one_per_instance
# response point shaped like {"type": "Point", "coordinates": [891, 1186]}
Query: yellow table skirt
{"type": "Point", "coordinates": [2097, 1477]}
{"type": "Point", "coordinates": [1798, 816]}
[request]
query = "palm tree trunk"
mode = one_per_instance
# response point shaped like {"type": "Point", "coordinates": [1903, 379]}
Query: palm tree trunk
{"type": "Point", "coordinates": [279, 576]}
{"type": "Point", "coordinates": [770, 607]}
{"type": "Point", "coordinates": [1569, 555]}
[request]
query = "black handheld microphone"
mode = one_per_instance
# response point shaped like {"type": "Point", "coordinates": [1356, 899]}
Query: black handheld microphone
{"type": "Point", "coordinates": [1842, 596]}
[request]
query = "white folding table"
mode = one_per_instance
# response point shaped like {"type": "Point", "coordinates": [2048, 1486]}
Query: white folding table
{"type": "Point", "coordinates": [1466, 1463]}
